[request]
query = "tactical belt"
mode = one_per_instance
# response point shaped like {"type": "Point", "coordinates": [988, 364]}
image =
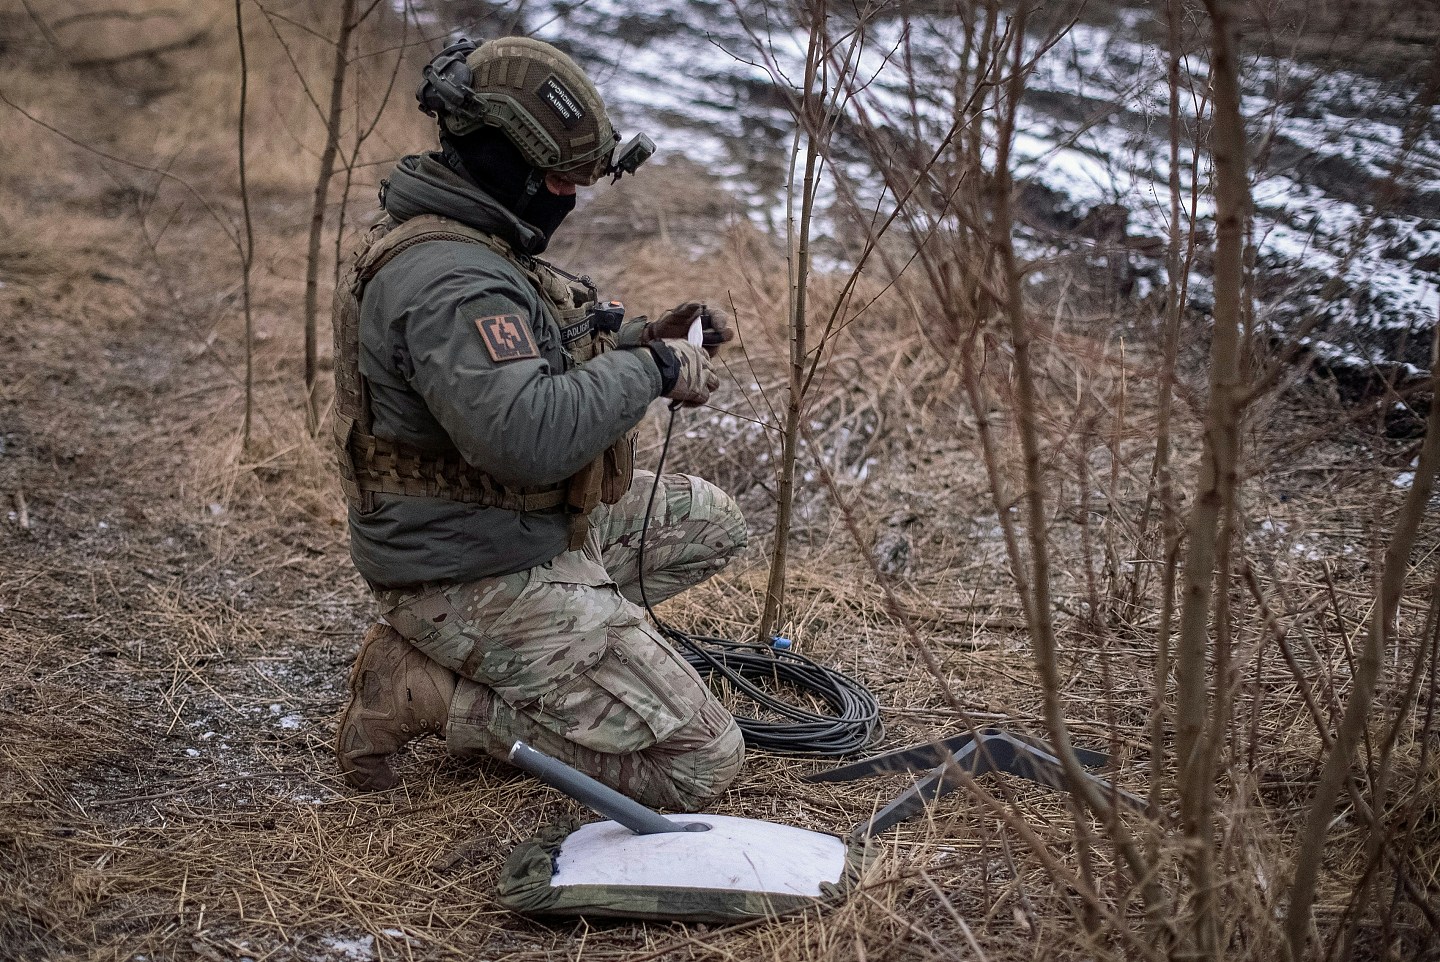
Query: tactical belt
{"type": "Point", "coordinates": [391, 467]}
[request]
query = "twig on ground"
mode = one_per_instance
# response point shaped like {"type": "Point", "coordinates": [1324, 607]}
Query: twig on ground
{"type": "Point", "coordinates": [22, 510]}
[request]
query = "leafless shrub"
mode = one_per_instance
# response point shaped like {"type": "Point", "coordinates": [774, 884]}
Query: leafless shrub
{"type": "Point", "coordinates": [1032, 466]}
{"type": "Point", "coordinates": [950, 190]}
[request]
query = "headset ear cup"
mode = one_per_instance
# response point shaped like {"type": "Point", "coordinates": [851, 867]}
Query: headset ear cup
{"type": "Point", "coordinates": [425, 94]}
{"type": "Point", "coordinates": [445, 86]}
{"type": "Point", "coordinates": [457, 72]}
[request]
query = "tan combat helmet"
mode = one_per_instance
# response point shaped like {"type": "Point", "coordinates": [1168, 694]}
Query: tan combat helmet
{"type": "Point", "coordinates": [538, 97]}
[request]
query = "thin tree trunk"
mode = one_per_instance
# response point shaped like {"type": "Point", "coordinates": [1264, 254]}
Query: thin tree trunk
{"type": "Point", "coordinates": [317, 207]}
{"type": "Point", "coordinates": [1211, 523]}
{"type": "Point", "coordinates": [1161, 478]}
{"type": "Point", "coordinates": [247, 251]}
{"type": "Point", "coordinates": [810, 126]}
{"type": "Point", "coordinates": [1311, 842]}
{"type": "Point", "coordinates": [1039, 614]}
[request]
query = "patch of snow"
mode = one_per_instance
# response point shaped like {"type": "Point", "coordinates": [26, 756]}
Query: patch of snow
{"type": "Point", "coordinates": [1094, 130]}
{"type": "Point", "coordinates": [361, 949]}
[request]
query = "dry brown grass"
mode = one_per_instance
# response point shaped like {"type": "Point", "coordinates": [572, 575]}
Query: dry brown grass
{"type": "Point", "coordinates": [176, 620]}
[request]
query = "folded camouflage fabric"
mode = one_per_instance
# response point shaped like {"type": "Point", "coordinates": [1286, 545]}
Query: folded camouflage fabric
{"type": "Point", "coordinates": [741, 869]}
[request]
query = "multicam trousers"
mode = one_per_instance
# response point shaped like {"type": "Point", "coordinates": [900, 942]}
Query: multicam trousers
{"type": "Point", "coordinates": [562, 657]}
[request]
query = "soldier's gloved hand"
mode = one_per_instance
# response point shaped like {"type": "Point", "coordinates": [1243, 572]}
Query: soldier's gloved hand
{"type": "Point", "coordinates": [718, 329]}
{"type": "Point", "coordinates": [685, 372]}
{"type": "Point", "coordinates": [674, 324]}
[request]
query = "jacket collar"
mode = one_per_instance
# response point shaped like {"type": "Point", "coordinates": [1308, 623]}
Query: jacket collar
{"type": "Point", "coordinates": [426, 184]}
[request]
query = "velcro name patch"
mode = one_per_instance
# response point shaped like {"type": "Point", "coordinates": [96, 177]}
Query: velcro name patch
{"type": "Point", "coordinates": [507, 337]}
{"type": "Point", "coordinates": [565, 104]}
{"type": "Point", "coordinates": [576, 331]}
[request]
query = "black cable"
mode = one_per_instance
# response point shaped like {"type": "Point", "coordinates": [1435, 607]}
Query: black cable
{"type": "Point", "coordinates": [854, 719]}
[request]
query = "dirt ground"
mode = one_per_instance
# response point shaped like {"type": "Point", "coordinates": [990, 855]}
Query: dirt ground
{"type": "Point", "coordinates": [178, 610]}
{"type": "Point", "coordinates": [177, 616]}
{"type": "Point", "coordinates": [176, 619]}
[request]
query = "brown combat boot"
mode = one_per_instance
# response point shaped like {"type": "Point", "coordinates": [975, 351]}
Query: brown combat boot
{"type": "Point", "coordinates": [396, 694]}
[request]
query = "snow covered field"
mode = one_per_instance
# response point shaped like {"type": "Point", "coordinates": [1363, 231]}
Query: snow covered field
{"type": "Point", "coordinates": [1094, 130]}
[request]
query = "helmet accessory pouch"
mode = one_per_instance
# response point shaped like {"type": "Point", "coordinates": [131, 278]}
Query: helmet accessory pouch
{"type": "Point", "coordinates": [445, 85]}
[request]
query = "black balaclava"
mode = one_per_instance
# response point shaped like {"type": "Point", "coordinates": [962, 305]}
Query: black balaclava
{"type": "Point", "coordinates": [497, 167]}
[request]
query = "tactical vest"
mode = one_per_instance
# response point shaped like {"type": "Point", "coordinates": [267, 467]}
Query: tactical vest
{"type": "Point", "coordinates": [371, 465]}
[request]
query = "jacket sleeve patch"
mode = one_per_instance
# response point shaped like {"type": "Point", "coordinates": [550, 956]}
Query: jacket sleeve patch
{"type": "Point", "coordinates": [507, 337]}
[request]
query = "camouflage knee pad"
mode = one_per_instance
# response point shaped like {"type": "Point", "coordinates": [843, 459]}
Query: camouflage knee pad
{"type": "Point", "coordinates": [703, 773]}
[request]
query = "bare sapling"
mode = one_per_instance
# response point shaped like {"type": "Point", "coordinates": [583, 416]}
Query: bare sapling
{"type": "Point", "coordinates": [1378, 641]}
{"type": "Point", "coordinates": [247, 244]}
{"type": "Point", "coordinates": [1200, 712]}
{"type": "Point", "coordinates": [823, 98]}
{"type": "Point", "coordinates": [971, 281]}
{"type": "Point", "coordinates": [1180, 251]}
{"type": "Point", "coordinates": [809, 117]}
{"type": "Point", "coordinates": [317, 205]}
{"type": "Point", "coordinates": [1036, 588]}
{"type": "Point", "coordinates": [350, 154]}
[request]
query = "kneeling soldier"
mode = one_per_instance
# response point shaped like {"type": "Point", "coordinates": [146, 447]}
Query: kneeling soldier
{"type": "Point", "coordinates": [484, 422]}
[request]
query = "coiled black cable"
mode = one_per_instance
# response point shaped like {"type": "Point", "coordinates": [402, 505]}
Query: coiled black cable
{"type": "Point", "coordinates": [854, 719]}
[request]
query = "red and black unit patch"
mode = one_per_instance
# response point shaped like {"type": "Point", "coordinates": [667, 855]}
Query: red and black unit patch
{"type": "Point", "coordinates": [507, 337]}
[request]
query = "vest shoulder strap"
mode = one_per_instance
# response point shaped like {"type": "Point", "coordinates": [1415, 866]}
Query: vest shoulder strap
{"type": "Point", "coordinates": [419, 230]}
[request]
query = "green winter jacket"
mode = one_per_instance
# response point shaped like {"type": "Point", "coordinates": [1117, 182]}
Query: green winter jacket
{"type": "Point", "coordinates": [527, 422]}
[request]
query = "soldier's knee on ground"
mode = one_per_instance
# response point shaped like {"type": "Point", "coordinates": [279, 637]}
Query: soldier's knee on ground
{"type": "Point", "coordinates": [702, 774]}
